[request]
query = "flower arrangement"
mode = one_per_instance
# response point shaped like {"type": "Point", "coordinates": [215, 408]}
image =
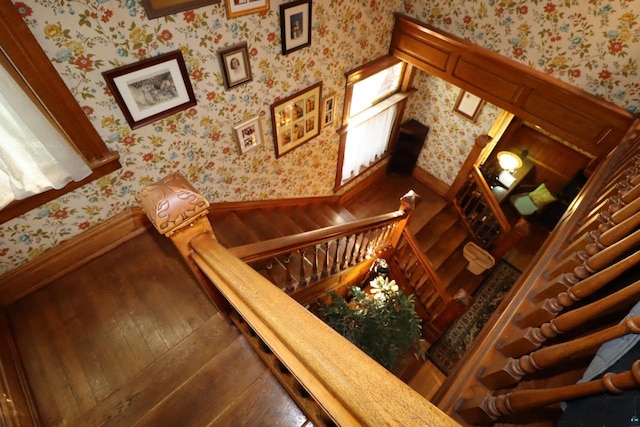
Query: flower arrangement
{"type": "Point", "coordinates": [381, 320]}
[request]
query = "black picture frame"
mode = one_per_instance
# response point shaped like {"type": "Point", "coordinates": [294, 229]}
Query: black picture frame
{"type": "Point", "coordinates": [151, 89]}
{"type": "Point", "coordinates": [236, 69]}
{"type": "Point", "coordinates": [295, 25]}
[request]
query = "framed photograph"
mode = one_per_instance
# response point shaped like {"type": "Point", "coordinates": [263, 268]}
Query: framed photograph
{"type": "Point", "coordinates": [296, 119]}
{"type": "Point", "coordinates": [328, 109]}
{"type": "Point", "coordinates": [249, 134]}
{"type": "Point", "coordinates": [236, 69]}
{"type": "Point", "coordinates": [151, 89]}
{"type": "Point", "coordinates": [468, 105]}
{"type": "Point", "coordinates": [237, 8]}
{"type": "Point", "coordinates": [295, 25]}
{"type": "Point", "coordinates": [158, 8]}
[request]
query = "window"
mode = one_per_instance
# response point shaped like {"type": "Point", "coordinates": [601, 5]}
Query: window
{"type": "Point", "coordinates": [25, 60]}
{"type": "Point", "coordinates": [374, 104]}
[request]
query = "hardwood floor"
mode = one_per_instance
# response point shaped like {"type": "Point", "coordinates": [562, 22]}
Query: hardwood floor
{"type": "Point", "coordinates": [130, 339]}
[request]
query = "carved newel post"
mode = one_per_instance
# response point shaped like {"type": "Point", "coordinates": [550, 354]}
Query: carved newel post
{"type": "Point", "coordinates": [177, 210]}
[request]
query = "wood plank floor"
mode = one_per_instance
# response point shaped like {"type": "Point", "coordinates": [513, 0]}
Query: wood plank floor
{"type": "Point", "coordinates": [131, 339]}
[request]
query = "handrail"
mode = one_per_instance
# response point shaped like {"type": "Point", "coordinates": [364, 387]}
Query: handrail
{"type": "Point", "coordinates": [488, 196]}
{"type": "Point", "coordinates": [279, 245]}
{"type": "Point", "coordinates": [351, 387]}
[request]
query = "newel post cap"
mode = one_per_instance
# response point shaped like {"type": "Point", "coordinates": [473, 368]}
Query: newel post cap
{"type": "Point", "coordinates": [172, 203]}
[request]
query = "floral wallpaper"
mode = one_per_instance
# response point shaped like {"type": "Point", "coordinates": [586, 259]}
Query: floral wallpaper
{"type": "Point", "coordinates": [594, 46]}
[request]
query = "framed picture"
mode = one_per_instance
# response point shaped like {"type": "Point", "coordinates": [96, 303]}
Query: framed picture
{"type": "Point", "coordinates": [237, 8]}
{"type": "Point", "coordinates": [328, 109]}
{"type": "Point", "coordinates": [236, 69]}
{"type": "Point", "coordinates": [249, 134]}
{"type": "Point", "coordinates": [296, 119]}
{"type": "Point", "coordinates": [468, 105]}
{"type": "Point", "coordinates": [295, 25]}
{"type": "Point", "coordinates": [158, 8]}
{"type": "Point", "coordinates": [151, 89]}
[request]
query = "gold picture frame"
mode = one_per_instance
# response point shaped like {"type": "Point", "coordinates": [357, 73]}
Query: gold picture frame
{"type": "Point", "coordinates": [249, 134]}
{"type": "Point", "coordinates": [237, 8]}
{"type": "Point", "coordinates": [296, 119]}
{"type": "Point", "coordinates": [328, 110]}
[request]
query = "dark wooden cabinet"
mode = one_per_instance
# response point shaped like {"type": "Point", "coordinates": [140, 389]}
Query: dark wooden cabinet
{"type": "Point", "coordinates": [408, 146]}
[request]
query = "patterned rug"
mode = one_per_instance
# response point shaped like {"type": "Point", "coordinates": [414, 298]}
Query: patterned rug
{"type": "Point", "coordinates": [452, 345]}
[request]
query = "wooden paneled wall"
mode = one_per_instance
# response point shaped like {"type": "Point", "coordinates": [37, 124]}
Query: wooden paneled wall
{"type": "Point", "coordinates": [591, 124]}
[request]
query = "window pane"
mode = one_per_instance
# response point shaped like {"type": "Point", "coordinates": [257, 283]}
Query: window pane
{"type": "Point", "coordinates": [372, 89]}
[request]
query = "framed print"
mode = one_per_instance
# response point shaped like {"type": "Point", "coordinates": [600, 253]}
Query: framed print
{"type": "Point", "coordinates": [151, 89]}
{"type": "Point", "coordinates": [328, 109]}
{"type": "Point", "coordinates": [235, 65]}
{"type": "Point", "coordinates": [237, 8]}
{"type": "Point", "coordinates": [158, 8]}
{"type": "Point", "coordinates": [249, 134]}
{"type": "Point", "coordinates": [468, 105]}
{"type": "Point", "coordinates": [295, 25]}
{"type": "Point", "coordinates": [296, 119]}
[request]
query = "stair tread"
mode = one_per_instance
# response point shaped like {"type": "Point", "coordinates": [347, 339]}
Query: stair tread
{"type": "Point", "coordinates": [450, 242]}
{"type": "Point", "coordinates": [263, 227]}
{"type": "Point", "coordinates": [231, 231]}
{"type": "Point", "coordinates": [449, 270]}
{"type": "Point", "coordinates": [427, 236]}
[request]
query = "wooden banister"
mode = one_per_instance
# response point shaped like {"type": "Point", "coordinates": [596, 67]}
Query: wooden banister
{"type": "Point", "coordinates": [490, 199]}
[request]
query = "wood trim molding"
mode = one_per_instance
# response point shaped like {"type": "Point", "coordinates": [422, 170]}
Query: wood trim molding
{"type": "Point", "coordinates": [71, 254]}
{"type": "Point", "coordinates": [430, 181]}
{"type": "Point", "coordinates": [589, 122]}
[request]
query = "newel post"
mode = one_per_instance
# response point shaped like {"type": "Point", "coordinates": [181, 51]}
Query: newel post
{"type": "Point", "coordinates": [407, 205]}
{"type": "Point", "coordinates": [178, 211]}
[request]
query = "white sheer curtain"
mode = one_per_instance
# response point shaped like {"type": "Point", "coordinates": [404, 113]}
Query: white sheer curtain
{"type": "Point", "coordinates": [34, 157]}
{"type": "Point", "coordinates": [366, 143]}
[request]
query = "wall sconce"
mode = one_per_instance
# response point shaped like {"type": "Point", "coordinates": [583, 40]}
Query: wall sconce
{"type": "Point", "coordinates": [509, 161]}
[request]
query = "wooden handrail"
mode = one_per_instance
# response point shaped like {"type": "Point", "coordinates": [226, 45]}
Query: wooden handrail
{"type": "Point", "coordinates": [488, 196]}
{"type": "Point", "coordinates": [350, 386]}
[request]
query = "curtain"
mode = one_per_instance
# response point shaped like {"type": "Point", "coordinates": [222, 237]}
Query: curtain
{"type": "Point", "coordinates": [366, 143]}
{"type": "Point", "coordinates": [34, 157]}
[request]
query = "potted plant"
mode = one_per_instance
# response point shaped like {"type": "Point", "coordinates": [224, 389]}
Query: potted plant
{"type": "Point", "coordinates": [381, 320]}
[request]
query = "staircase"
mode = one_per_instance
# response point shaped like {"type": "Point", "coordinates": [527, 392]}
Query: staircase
{"type": "Point", "coordinates": [435, 223]}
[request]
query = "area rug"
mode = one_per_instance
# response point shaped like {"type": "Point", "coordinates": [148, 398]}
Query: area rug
{"type": "Point", "coordinates": [453, 344]}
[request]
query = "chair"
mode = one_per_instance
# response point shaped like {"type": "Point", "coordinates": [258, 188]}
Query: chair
{"type": "Point", "coordinates": [531, 202]}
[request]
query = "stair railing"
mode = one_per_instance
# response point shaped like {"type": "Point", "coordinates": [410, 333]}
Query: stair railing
{"type": "Point", "coordinates": [351, 387]}
{"type": "Point", "coordinates": [434, 304]}
{"type": "Point", "coordinates": [583, 280]}
{"type": "Point", "coordinates": [298, 262]}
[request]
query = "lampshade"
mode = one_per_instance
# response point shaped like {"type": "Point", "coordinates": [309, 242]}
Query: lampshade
{"type": "Point", "coordinates": [509, 161]}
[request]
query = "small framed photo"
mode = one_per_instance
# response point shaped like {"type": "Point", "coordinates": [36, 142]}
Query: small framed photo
{"type": "Point", "coordinates": [236, 69]}
{"type": "Point", "coordinates": [295, 25]}
{"type": "Point", "coordinates": [151, 89]}
{"type": "Point", "coordinates": [296, 119]}
{"type": "Point", "coordinates": [468, 105]}
{"type": "Point", "coordinates": [249, 134]}
{"type": "Point", "coordinates": [158, 8]}
{"type": "Point", "coordinates": [237, 8]}
{"type": "Point", "coordinates": [328, 109]}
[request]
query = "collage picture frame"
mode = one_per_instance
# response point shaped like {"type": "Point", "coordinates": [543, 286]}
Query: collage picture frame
{"type": "Point", "coordinates": [296, 119]}
{"type": "Point", "coordinates": [249, 134]}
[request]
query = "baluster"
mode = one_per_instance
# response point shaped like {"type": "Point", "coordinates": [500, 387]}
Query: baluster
{"type": "Point", "coordinates": [325, 261]}
{"type": "Point", "coordinates": [356, 248]}
{"type": "Point", "coordinates": [551, 307]}
{"type": "Point", "coordinates": [503, 375]}
{"type": "Point", "coordinates": [302, 281]}
{"type": "Point", "coordinates": [269, 266]}
{"type": "Point", "coordinates": [485, 410]}
{"type": "Point", "coordinates": [533, 338]}
{"type": "Point", "coordinates": [314, 266]}
{"type": "Point", "coordinates": [287, 269]}
{"type": "Point", "coordinates": [346, 255]}
{"type": "Point", "coordinates": [336, 261]}
{"type": "Point", "coordinates": [363, 246]}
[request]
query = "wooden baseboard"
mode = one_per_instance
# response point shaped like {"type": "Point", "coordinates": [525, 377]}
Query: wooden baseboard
{"type": "Point", "coordinates": [71, 254]}
{"type": "Point", "coordinates": [431, 181]}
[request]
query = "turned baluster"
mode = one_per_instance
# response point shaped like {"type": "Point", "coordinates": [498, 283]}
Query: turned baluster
{"type": "Point", "coordinates": [357, 239]}
{"type": "Point", "coordinates": [363, 246]}
{"type": "Point", "coordinates": [302, 281]}
{"type": "Point", "coordinates": [589, 266]}
{"type": "Point", "coordinates": [551, 307]}
{"type": "Point", "coordinates": [621, 183]}
{"type": "Point", "coordinates": [336, 260]}
{"type": "Point", "coordinates": [505, 374]}
{"type": "Point", "coordinates": [288, 279]}
{"type": "Point", "coordinates": [314, 264]}
{"type": "Point", "coordinates": [533, 338]}
{"type": "Point", "coordinates": [325, 260]}
{"type": "Point", "coordinates": [485, 410]}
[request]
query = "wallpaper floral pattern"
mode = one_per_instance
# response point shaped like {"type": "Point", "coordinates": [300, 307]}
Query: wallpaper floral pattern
{"type": "Point", "coordinates": [594, 46]}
